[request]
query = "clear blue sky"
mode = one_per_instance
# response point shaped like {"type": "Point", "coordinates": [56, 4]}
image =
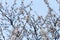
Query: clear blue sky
{"type": "Point", "coordinates": [41, 7]}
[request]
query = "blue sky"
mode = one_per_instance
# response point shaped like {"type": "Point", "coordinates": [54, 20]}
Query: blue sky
{"type": "Point", "coordinates": [38, 5]}
{"type": "Point", "coordinates": [41, 7]}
